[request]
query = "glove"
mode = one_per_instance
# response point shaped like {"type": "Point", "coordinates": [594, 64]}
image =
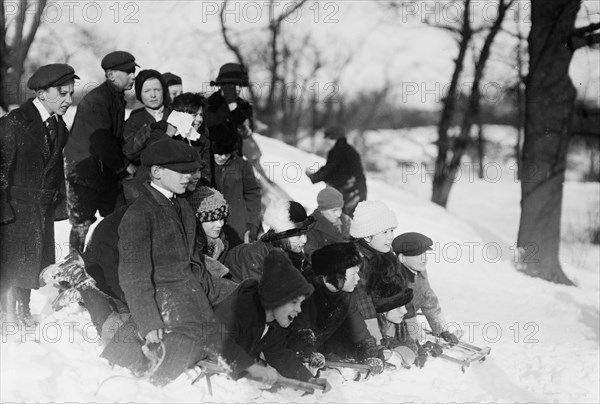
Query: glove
{"type": "Point", "coordinates": [434, 349]}
{"type": "Point", "coordinates": [421, 357]}
{"type": "Point", "coordinates": [449, 337]}
{"type": "Point", "coordinates": [368, 348]}
{"type": "Point", "coordinates": [316, 360]}
{"type": "Point", "coordinates": [305, 337]}
{"type": "Point", "coordinates": [376, 365]}
{"type": "Point", "coordinates": [229, 93]}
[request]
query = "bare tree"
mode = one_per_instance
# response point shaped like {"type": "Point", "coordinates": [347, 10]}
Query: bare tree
{"type": "Point", "coordinates": [549, 116]}
{"type": "Point", "coordinates": [18, 33]}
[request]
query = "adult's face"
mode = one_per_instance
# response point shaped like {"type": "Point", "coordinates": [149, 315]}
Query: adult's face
{"type": "Point", "coordinates": [122, 80]}
{"type": "Point", "coordinates": [152, 94]}
{"type": "Point", "coordinates": [57, 100]}
{"type": "Point", "coordinates": [194, 179]}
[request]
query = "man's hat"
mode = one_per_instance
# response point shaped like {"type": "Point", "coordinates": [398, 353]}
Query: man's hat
{"type": "Point", "coordinates": [411, 244]}
{"type": "Point", "coordinates": [171, 154]}
{"type": "Point", "coordinates": [171, 79]}
{"type": "Point", "coordinates": [52, 75]}
{"type": "Point", "coordinates": [119, 60]}
{"type": "Point", "coordinates": [335, 132]}
{"type": "Point", "coordinates": [232, 73]}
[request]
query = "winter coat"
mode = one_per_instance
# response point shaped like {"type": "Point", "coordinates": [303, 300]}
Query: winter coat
{"type": "Point", "coordinates": [373, 262]}
{"type": "Point", "coordinates": [136, 133]}
{"type": "Point", "coordinates": [343, 163]}
{"type": "Point", "coordinates": [101, 254]}
{"type": "Point", "coordinates": [324, 233]}
{"type": "Point", "coordinates": [327, 313]}
{"type": "Point", "coordinates": [425, 299]}
{"type": "Point", "coordinates": [160, 269]}
{"type": "Point", "coordinates": [217, 113]}
{"type": "Point", "coordinates": [243, 317]}
{"type": "Point", "coordinates": [246, 261]}
{"type": "Point", "coordinates": [93, 154]}
{"type": "Point", "coordinates": [32, 195]}
{"type": "Point", "coordinates": [238, 184]}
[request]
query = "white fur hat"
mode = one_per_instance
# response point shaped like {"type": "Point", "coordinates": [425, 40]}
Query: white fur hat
{"type": "Point", "coordinates": [285, 219]}
{"type": "Point", "coordinates": [372, 217]}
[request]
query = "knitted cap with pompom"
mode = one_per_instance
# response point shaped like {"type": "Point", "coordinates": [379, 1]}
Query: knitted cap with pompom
{"type": "Point", "coordinates": [372, 217]}
{"type": "Point", "coordinates": [209, 205]}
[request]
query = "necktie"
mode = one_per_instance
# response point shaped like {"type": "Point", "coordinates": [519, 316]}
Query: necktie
{"type": "Point", "coordinates": [173, 200]}
{"type": "Point", "coordinates": [51, 131]}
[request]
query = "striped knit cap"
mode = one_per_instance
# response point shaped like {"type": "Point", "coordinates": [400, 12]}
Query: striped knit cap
{"type": "Point", "coordinates": [209, 205]}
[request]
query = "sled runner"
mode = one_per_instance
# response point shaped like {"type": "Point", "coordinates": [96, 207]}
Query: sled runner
{"type": "Point", "coordinates": [463, 354]}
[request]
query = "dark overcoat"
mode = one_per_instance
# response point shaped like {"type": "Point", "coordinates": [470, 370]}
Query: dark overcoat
{"type": "Point", "coordinates": [243, 317]}
{"type": "Point", "coordinates": [32, 189]}
{"type": "Point", "coordinates": [93, 154]}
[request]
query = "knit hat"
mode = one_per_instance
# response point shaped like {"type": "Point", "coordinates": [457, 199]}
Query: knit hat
{"type": "Point", "coordinates": [333, 260]}
{"type": "Point", "coordinates": [209, 204]}
{"type": "Point", "coordinates": [231, 73]}
{"type": "Point", "coordinates": [145, 75]}
{"type": "Point", "coordinates": [329, 198]}
{"type": "Point", "coordinates": [335, 132]}
{"type": "Point", "coordinates": [370, 218]}
{"type": "Point", "coordinates": [281, 282]}
{"type": "Point", "coordinates": [286, 219]}
{"type": "Point", "coordinates": [411, 244]}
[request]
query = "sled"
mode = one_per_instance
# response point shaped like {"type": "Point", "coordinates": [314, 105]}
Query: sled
{"type": "Point", "coordinates": [462, 354]}
{"type": "Point", "coordinates": [362, 372]}
{"type": "Point", "coordinates": [207, 369]}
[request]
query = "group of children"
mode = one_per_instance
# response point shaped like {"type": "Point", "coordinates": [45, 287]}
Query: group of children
{"type": "Point", "coordinates": [185, 271]}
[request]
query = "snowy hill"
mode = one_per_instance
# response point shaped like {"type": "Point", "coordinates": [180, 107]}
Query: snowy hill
{"type": "Point", "coordinates": [544, 337]}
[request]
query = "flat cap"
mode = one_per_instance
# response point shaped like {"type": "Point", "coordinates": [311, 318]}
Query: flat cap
{"type": "Point", "coordinates": [119, 60]}
{"type": "Point", "coordinates": [51, 75]}
{"type": "Point", "coordinates": [171, 79]}
{"type": "Point", "coordinates": [335, 132]}
{"type": "Point", "coordinates": [411, 244]}
{"type": "Point", "coordinates": [172, 154]}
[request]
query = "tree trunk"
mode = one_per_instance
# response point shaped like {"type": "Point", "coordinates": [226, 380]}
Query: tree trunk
{"type": "Point", "coordinates": [550, 109]}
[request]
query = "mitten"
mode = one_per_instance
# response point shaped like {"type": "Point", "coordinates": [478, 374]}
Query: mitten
{"type": "Point", "coordinates": [434, 349]}
{"type": "Point", "coordinates": [316, 360]}
{"type": "Point", "coordinates": [375, 364]}
{"type": "Point", "coordinates": [229, 93]}
{"type": "Point", "coordinates": [421, 357]}
{"type": "Point", "coordinates": [449, 337]}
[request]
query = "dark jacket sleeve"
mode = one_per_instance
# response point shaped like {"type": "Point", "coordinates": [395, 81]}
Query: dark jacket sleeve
{"type": "Point", "coordinates": [135, 137]}
{"type": "Point", "coordinates": [95, 121]}
{"type": "Point", "coordinates": [283, 359]}
{"type": "Point", "coordinates": [8, 149]}
{"type": "Point", "coordinates": [252, 198]}
{"type": "Point", "coordinates": [334, 160]}
{"type": "Point", "coordinates": [135, 270]}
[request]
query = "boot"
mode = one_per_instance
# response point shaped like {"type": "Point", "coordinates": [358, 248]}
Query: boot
{"type": "Point", "coordinates": [9, 306]}
{"type": "Point", "coordinates": [23, 311]}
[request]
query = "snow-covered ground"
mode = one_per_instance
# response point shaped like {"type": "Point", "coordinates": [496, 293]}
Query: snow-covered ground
{"type": "Point", "coordinates": [544, 337]}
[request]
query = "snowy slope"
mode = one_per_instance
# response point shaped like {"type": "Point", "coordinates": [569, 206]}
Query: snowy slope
{"type": "Point", "coordinates": [544, 337]}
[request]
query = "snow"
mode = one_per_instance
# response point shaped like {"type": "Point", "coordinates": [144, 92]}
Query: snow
{"type": "Point", "coordinates": [544, 337]}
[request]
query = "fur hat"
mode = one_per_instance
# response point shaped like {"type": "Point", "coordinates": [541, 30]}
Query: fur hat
{"type": "Point", "coordinates": [281, 282]}
{"type": "Point", "coordinates": [329, 198]}
{"type": "Point", "coordinates": [372, 217]}
{"type": "Point", "coordinates": [209, 204]}
{"type": "Point", "coordinates": [286, 219]}
{"type": "Point", "coordinates": [146, 75]}
{"type": "Point", "coordinates": [333, 260]}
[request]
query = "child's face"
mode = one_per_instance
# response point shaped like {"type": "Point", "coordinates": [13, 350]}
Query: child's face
{"type": "Point", "coordinates": [195, 177]}
{"type": "Point", "coordinates": [284, 315]}
{"type": "Point", "coordinates": [198, 118]}
{"type": "Point", "coordinates": [213, 229]}
{"type": "Point", "coordinates": [297, 243]}
{"type": "Point", "coordinates": [221, 159]}
{"type": "Point", "coordinates": [396, 315]}
{"type": "Point", "coordinates": [381, 242]}
{"type": "Point", "coordinates": [417, 263]}
{"type": "Point", "coordinates": [171, 180]}
{"type": "Point", "coordinates": [332, 215]}
{"type": "Point", "coordinates": [352, 279]}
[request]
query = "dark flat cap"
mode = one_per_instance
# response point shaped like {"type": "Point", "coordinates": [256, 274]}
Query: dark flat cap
{"type": "Point", "coordinates": [335, 132]}
{"type": "Point", "coordinates": [119, 60]}
{"type": "Point", "coordinates": [52, 75]}
{"type": "Point", "coordinates": [171, 79]}
{"type": "Point", "coordinates": [172, 154]}
{"type": "Point", "coordinates": [411, 244]}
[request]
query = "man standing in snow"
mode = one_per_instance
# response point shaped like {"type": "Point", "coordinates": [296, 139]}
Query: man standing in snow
{"type": "Point", "coordinates": [343, 170]}
{"type": "Point", "coordinates": [32, 185]}
{"type": "Point", "coordinates": [95, 164]}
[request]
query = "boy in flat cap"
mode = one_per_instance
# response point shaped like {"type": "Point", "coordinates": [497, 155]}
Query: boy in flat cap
{"type": "Point", "coordinates": [32, 185]}
{"type": "Point", "coordinates": [95, 164]}
{"type": "Point", "coordinates": [412, 251]}
{"type": "Point", "coordinates": [169, 292]}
